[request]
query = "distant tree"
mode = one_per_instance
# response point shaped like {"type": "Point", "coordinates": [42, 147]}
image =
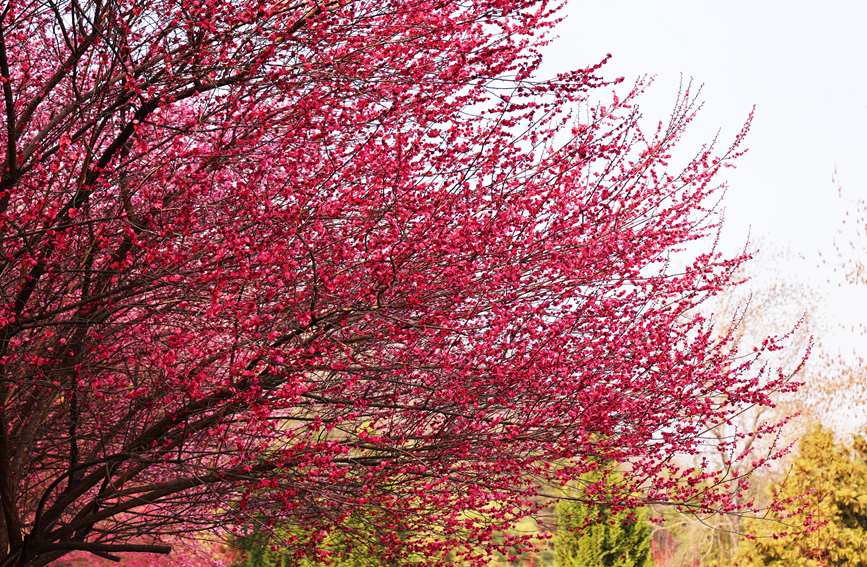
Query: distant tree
{"type": "Point", "coordinates": [823, 517]}
{"type": "Point", "coordinates": [768, 305]}
{"type": "Point", "coordinates": [842, 386]}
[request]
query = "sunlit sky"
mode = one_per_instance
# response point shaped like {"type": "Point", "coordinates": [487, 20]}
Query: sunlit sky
{"type": "Point", "coordinates": [802, 65]}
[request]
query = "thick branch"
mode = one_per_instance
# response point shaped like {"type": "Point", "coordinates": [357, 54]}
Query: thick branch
{"type": "Point", "coordinates": [10, 171]}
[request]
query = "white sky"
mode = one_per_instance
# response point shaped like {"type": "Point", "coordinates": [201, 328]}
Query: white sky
{"type": "Point", "coordinates": [801, 63]}
{"type": "Point", "coordinates": [804, 65]}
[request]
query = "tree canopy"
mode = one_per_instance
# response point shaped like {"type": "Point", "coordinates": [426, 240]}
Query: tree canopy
{"type": "Point", "coordinates": [271, 261]}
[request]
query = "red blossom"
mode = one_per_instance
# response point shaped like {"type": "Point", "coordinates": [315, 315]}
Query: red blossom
{"type": "Point", "coordinates": [273, 261]}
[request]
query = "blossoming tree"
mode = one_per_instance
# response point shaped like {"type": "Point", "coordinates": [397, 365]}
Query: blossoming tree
{"type": "Point", "coordinates": [280, 260]}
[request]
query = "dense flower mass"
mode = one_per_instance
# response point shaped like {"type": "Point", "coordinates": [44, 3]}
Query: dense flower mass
{"type": "Point", "coordinates": [278, 260]}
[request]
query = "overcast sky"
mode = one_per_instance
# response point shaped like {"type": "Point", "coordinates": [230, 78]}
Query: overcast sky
{"type": "Point", "coordinates": [802, 64]}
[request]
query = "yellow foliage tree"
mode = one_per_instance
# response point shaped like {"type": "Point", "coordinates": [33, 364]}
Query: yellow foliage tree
{"type": "Point", "coordinates": [824, 512]}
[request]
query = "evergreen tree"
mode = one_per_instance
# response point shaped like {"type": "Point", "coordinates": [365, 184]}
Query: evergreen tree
{"type": "Point", "coordinates": [616, 540]}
